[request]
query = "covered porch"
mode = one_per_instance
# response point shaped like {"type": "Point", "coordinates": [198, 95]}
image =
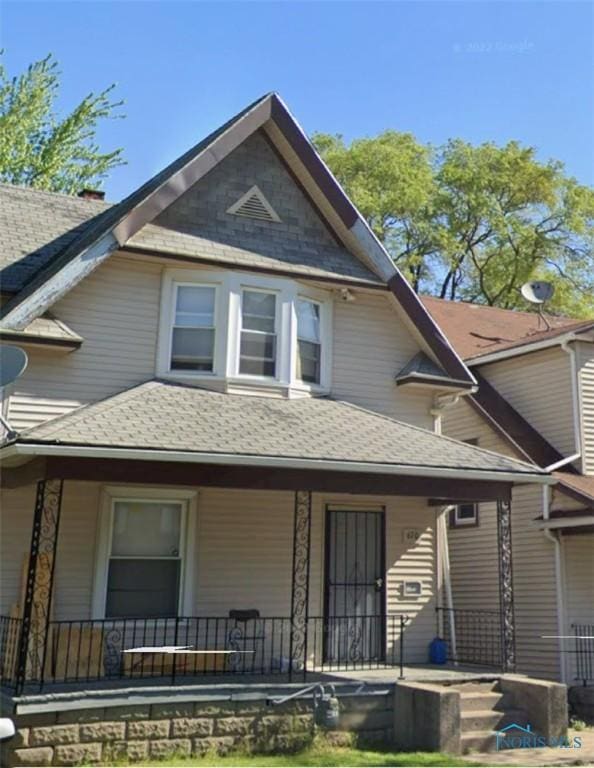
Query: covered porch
{"type": "Point", "coordinates": [310, 549]}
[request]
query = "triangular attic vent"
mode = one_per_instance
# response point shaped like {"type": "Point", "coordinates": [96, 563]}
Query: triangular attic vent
{"type": "Point", "coordinates": [254, 205]}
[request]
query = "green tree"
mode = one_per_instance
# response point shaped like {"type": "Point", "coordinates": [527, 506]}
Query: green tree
{"type": "Point", "coordinates": [40, 149]}
{"type": "Point", "coordinates": [472, 222]}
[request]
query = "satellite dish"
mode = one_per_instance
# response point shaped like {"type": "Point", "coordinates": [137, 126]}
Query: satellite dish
{"type": "Point", "coordinates": [13, 361]}
{"type": "Point", "coordinates": [537, 291]}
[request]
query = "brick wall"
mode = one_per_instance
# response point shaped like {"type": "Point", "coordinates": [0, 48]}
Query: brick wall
{"type": "Point", "coordinates": [136, 733]}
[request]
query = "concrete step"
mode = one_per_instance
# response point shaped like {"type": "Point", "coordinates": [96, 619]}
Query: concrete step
{"type": "Point", "coordinates": [474, 701]}
{"type": "Point", "coordinates": [478, 741]}
{"type": "Point", "coordinates": [477, 686]}
{"type": "Point", "coordinates": [490, 720]}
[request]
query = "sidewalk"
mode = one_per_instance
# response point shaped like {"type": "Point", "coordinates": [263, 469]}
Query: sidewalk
{"type": "Point", "coordinates": [541, 757]}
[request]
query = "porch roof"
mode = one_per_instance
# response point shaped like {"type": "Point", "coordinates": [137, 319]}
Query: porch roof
{"type": "Point", "coordinates": [176, 422]}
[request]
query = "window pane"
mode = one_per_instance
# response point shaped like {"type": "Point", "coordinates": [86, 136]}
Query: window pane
{"type": "Point", "coordinates": [308, 362]}
{"type": "Point", "coordinates": [146, 529]}
{"type": "Point", "coordinates": [142, 588]}
{"type": "Point", "coordinates": [308, 321]}
{"type": "Point", "coordinates": [258, 311]}
{"type": "Point", "coordinates": [466, 512]}
{"type": "Point", "coordinates": [260, 345]}
{"type": "Point", "coordinates": [198, 301]}
{"type": "Point", "coordinates": [192, 349]}
{"type": "Point", "coordinates": [257, 367]}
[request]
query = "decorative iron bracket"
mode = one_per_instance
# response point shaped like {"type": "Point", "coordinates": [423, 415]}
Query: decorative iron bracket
{"type": "Point", "coordinates": [40, 579]}
{"type": "Point", "coordinates": [506, 586]}
{"type": "Point", "coordinates": [300, 583]}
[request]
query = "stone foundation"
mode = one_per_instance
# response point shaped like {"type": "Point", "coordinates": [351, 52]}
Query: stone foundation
{"type": "Point", "coordinates": [88, 736]}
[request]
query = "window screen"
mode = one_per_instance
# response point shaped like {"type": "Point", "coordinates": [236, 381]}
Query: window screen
{"type": "Point", "coordinates": [145, 561]}
{"type": "Point", "coordinates": [308, 341]}
{"type": "Point", "coordinates": [257, 356]}
{"type": "Point", "coordinates": [192, 344]}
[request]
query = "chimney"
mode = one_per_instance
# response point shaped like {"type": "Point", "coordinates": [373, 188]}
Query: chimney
{"type": "Point", "coordinates": [92, 194]}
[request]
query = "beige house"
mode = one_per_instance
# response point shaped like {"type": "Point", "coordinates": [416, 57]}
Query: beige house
{"type": "Point", "coordinates": [224, 437]}
{"type": "Point", "coordinates": [535, 402]}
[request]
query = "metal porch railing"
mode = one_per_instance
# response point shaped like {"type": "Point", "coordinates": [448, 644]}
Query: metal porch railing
{"type": "Point", "coordinates": [583, 640]}
{"type": "Point", "coordinates": [93, 651]}
{"type": "Point", "coordinates": [477, 636]}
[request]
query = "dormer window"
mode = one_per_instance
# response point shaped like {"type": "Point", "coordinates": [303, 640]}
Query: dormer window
{"type": "Point", "coordinates": [242, 331]}
{"type": "Point", "coordinates": [309, 348]}
{"type": "Point", "coordinates": [257, 355]}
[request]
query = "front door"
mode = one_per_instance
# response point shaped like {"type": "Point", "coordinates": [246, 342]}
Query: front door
{"type": "Point", "coordinates": [354, 594]}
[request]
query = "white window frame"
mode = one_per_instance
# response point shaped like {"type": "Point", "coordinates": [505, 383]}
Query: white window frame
{"type": "Point", "coordinates": [462, 521]}
{"type": "Point", "coordinates": [172, 280]}
{"type": "Point", "coordinates": [173, 326]}
{"type": "Point", "coordinates": [325, 307]}
{"type": "Point", "coordinates": [143, 494]}
{"type": "Point", "coordinates": [229, 287]}
{"type": "Point", "coordinates": [278, 337]}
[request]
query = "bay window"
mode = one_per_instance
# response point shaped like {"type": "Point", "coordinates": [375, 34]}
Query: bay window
{"type": "Point", "coordinates": [257, 356]}
{"type": "Point", "coordinates": [309, 347]}
{"type": "Point", "coordinates": [193, 332]}
{"type": "Point", "coordinates": [144, 559]}
{"type": "Point", "coordinates": [238, 330]}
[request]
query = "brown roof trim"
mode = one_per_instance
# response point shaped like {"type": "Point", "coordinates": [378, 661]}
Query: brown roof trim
{"type": "Point", "coordinates": [574, 493]}
{"type": "Point", "coordinates": [313, 163]}
{"type": "Point", "coordinates": [39, 341]}
{"type": "Point", "coordinates": [513, 425]}
{"type": "Point", "coordinates": [421, 318]}
{"type": "Point", "coordinates": [338, 280]}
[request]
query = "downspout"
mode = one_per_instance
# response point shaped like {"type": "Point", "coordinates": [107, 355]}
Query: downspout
{"type": "Point", "coordinates": [440, 403]}
{"type": "Point", "coordinates": [444, 557]}
{"type": "Point", "coordinates": [554, 538]}
{"type": "Point", "coordinates": [575, 402]}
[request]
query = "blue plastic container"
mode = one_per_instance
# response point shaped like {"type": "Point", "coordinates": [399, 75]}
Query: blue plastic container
{"type": "Point", "coordinates": [438, 651]}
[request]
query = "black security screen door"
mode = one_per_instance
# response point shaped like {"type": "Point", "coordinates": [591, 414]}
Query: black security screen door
{"type": "Point", "coordinates": [354, 587]}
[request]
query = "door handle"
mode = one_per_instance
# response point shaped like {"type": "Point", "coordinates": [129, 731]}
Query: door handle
{"type": "Point", "coordinates": [379, 583]}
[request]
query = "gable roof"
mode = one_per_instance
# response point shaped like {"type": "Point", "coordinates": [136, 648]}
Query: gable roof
{"type": "Point", "coordinates": [165, 416]}
{"type": "Point", "coordinates": [115, 226]}
{"type": "Point", "coordinates": [476, 330]}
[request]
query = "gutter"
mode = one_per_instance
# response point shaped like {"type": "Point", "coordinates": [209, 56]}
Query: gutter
{"type": "Point", "coordinates": [567, 522]}
{"type": "Point", "coordinates": [230, 459]}
{"type": "Point", "coordinates": [524, 349]}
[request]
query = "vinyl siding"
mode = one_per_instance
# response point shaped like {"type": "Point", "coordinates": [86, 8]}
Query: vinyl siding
{"type": "Point", "coordinates": [585, 361]}
{"type": "Point", "coordinates": [538, 386]}
{"type": "Point", "coordinates": [242, 553]}
{"type": "Point", "coordinates": [474, 558]}
{"type": "Point", "coordinates": [76, 547]}
{"type": "Point", "coordinates": [116, 311]}
{"type": "Point", "coordinates": [579, 584]}
{"type": "Point", "coordinates": [370, 346]}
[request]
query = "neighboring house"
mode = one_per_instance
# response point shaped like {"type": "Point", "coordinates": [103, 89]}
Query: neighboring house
{"type": "Point", "coordinates": [224, 433]}
{"type": "Point", "coordinates": [535, 402]}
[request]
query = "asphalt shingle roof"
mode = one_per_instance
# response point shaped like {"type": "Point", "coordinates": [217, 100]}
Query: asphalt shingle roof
{"type": "Point", "coordinates": [475, 330]}
{"type": "Point", "coordinates": [168, 416]}
{"type": "Point", "coordinates": [35, 226]}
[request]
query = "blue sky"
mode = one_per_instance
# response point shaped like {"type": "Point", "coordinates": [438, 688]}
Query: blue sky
{"type": "Point", "coordinates": [477, 70]}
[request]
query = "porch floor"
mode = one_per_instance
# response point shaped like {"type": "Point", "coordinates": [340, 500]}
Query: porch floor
{"type": "Point", "coordinates": [221, 687]}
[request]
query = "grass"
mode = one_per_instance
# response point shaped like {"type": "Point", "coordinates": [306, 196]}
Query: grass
{"type": "Point", "coordinates": [317, 755]}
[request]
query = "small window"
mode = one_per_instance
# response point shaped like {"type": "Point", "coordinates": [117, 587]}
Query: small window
{"type": "Point", "coordinates": [193, 335]}
{"type": "Point", "coordinates": [144, 567]}
{"type": "Point", "coordinates": [465, 514]}
{"type": "Point", "coordinates": [309, 348]}
{"type": "Point", "coordinates": [257, 356]}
